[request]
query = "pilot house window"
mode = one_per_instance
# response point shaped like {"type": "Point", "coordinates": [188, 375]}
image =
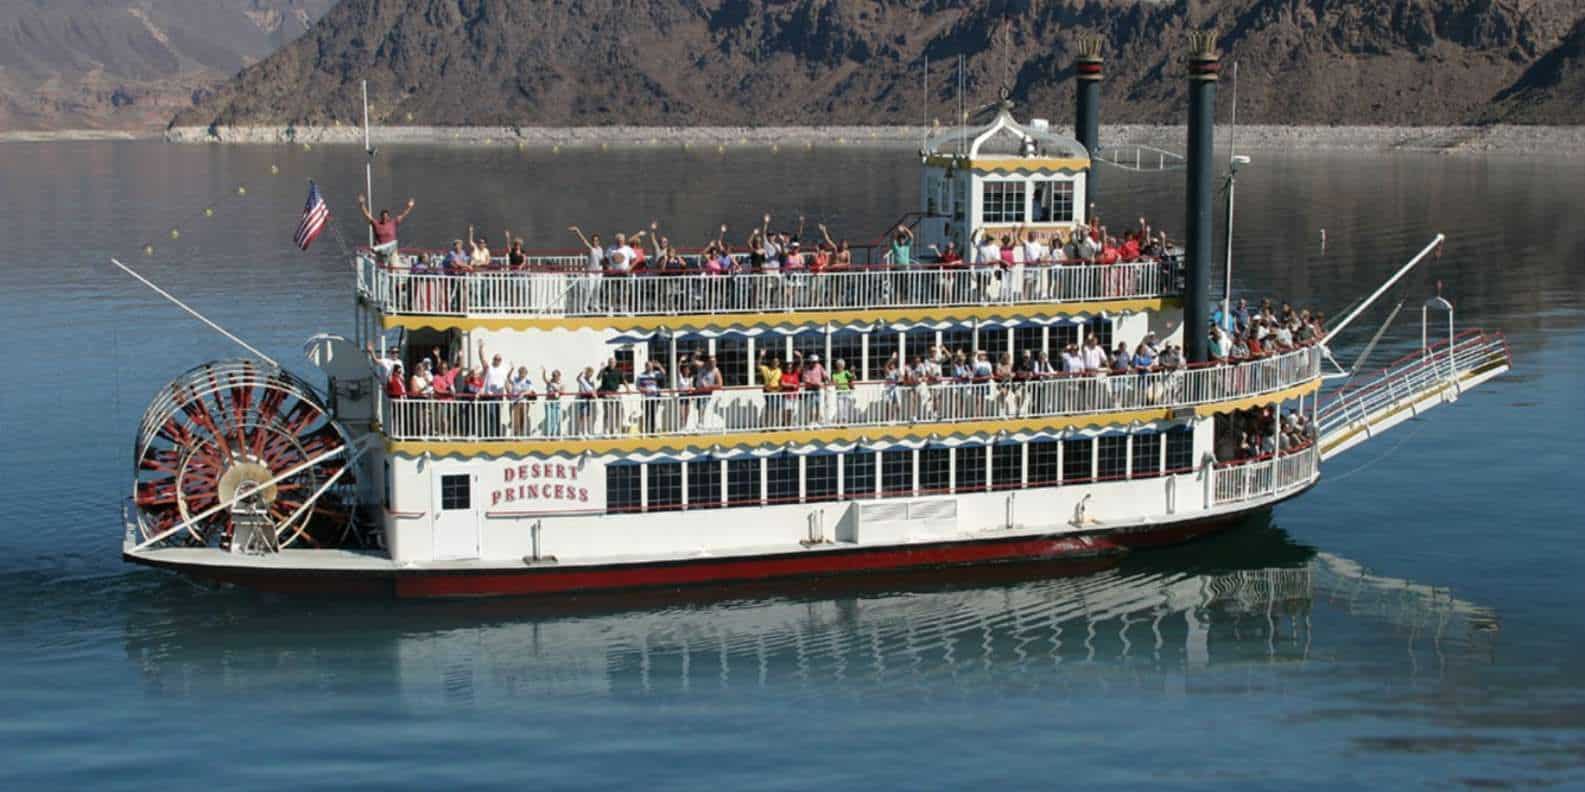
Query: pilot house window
{"type": "Point", "coordinates": [1053, 202]}
{"type": "Point", "coordinates": [1002, 202]}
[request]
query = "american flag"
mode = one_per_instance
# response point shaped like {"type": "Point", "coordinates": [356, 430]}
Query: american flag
{"type": "Point", "coordinates": [315, 215]}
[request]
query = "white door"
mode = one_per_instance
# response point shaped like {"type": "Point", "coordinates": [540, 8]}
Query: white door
{"type": "Point", "coordinates": [456, 522]}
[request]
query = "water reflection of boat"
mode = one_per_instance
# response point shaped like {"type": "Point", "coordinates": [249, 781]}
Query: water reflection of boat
{"type": "Point", "coordinates": [1251, 597]}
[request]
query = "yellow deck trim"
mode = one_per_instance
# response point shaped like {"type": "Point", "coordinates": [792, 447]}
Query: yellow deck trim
{"type": "Point", "coordinates": [802, 437]}
{"type": "Point", "coordinates": [683, 322]}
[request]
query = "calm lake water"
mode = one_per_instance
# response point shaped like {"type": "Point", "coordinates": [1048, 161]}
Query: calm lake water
{"type": "Point", "coordinates": [1413, 621]}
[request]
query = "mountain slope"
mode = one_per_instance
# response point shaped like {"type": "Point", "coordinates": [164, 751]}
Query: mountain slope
{"type": "Point", "coordinates": [675, 62]}
{"type": "Point", "coordinates": [130, 64]}
{"type": "Point", "coordinates": [1552, 90]}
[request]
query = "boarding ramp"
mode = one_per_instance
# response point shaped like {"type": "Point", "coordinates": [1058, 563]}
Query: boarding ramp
{"type": "Point", "coordinates": [1433, 376]}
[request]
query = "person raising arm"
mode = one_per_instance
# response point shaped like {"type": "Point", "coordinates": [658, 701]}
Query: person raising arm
{"type": "Point", "coordinates": [384, 227]}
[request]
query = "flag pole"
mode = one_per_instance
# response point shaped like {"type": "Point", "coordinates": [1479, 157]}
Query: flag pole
{"type": "Point", "coordinates": [368, 159]}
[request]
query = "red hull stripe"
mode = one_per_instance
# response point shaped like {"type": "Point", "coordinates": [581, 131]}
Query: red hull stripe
{"type": "Point", "coordinates": [549, 579]}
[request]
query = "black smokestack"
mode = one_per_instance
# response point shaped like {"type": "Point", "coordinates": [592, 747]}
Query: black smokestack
{"type": "Point", "coordinates": [1204, 62]}
{"type": "Point", "coordinates": [1087, 96]}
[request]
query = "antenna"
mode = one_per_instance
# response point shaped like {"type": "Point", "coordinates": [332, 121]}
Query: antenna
{"type": "Point", "coordinates": [961, 119]}
{"type": "Point", "coordinates": [924, 94]}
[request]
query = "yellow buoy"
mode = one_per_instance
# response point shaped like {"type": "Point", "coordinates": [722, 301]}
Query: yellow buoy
{"type": "Point", "coordinates": [308, 147]}
{"type": "Point", "coordinates": [209, 211]}
{"type": "Point", "coordinates": [148, 250]}
{"type": "Point", "coordinates": [274, 170]}
{"type": "Point", "coordinates": [242, 190]}
{"type": "Point", "coordinates": [720, 149]}
{"type": "Point", "coordinates": [556, 149]}
{"type": "Point", "coordinates": [176, 233]}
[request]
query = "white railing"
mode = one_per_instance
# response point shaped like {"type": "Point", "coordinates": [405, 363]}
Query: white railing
{"type": "Point", "coordinates": [1265, 477]}
{"type": "Point", "coordinates": [1412, 378]}
{"type": "Point", "coordinates": [740, 410]}
{"type": "Point", "coordinates": [571, 293]}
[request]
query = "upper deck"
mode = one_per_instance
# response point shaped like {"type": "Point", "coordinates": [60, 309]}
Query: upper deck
{"type": "Point", "coordinates": [555, 286]}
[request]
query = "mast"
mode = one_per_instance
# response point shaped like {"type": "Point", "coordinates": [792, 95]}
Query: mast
{"type": "Point", "coordinates": [1232, 182]}
{"type": "Point", "coordinates": [368, 159]}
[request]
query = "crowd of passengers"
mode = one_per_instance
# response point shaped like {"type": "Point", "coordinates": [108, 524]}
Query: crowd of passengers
{"type": "Point", "coordinates": [768, 250]}
{"type": "Point", "coordinates": [793, 390]}
{"type": "Point", "coordinates": [1255, 434]}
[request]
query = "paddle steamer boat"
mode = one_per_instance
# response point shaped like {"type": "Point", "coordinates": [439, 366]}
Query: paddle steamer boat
{"type": "Point", "coordinates": [245, 473]}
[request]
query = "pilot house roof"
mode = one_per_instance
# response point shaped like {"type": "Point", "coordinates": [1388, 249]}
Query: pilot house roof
{"type": "Point", "coordinates": [1005, 144]}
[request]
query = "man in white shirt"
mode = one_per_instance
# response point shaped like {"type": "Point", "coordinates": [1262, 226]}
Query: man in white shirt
{"type": "Point", "coordinates": [1035, 251]}
{"type": "Point", "coordinates": [1095, 357]}
{"type": "Point", "coordinates": [620, 255]}
{"type": "Point", "coordinates": [495, 375]}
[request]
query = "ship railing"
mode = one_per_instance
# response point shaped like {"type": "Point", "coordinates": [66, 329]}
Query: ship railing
{"type": "Point", "coordinates": [743, 410]}
{"type": "Point", "coordinates": [557, 288]}
{"type": "Point", "coordinates": [1265, 476]}
{"type": "Point", "coordinates": [1413, 377]}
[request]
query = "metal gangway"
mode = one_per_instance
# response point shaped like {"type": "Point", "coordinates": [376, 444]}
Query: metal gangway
{"type": "Point", "coordinates": [1435, 375]}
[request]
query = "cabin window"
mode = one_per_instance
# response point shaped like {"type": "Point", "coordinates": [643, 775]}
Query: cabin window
{"type": "Point", "coordinates": [1043, 470]}
{"type": "Point", "coordinates": [704, 484]}
{"type": "Point", "coordinates": [897, 472]}
{"type": "Point", "coordinates": [1180, 449]}
{"type": "Point", "coordinates": [993, 342]}
{"type": "Point", "coordinates": [849, 348]}
{"type": "Point", "coordinates": [1002, 202]}
{"type": "Point", "coordinates": [920, 341]}
{"type": "Point", "coordinates": [1007, 466]}
{"type": "Point", "coordinates": [1077, 457]}
{"type": "Point", "coordinates": [1111, 457]}
{"type": "Point", "coordinates": [1053, 201]}
{"type": "Point", "coordinates": [731, 357]}
{"type": "Point", "coordinates": [1147, 455]}
{"type": "Point", "coordinates": [665, 485]}
{"type": "Point", "coordinates": [456, 492]}
{"type": "Point", "coordinates": [933, 194]}
{"type": "Point", "coordinates": [624, 362]}
{"type": "Point", "coordinates": [959, 339]}
{"type": "Point", "coordinates": [1028, 339]}
{"type": "Point", "coordinates": [935, 470]}
{"type": "Point", "coordinates": [812, 342]}
{"type": "Point", "coordinates": [820, 477]}
{"type": "Point", "coordinates": [623, 488]}
{"type": "Point", "coordinates": [781, 479]}
{"type": "Point", "coordinates": [883, 345]}
{"type": "Point", "coordinates": [971, 468]}
{"type": "Point", "coordinates": [858, 475]}
{"type": "Point", "coordinates": [1063, 335]}
{"type": "Point", "coordinates": [960, 200]}
{"type": "Point", "coordinates": [742, 481]}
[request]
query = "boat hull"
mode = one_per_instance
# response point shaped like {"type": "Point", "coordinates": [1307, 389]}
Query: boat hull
{"type": "Point", "coordinates": [551, 579]}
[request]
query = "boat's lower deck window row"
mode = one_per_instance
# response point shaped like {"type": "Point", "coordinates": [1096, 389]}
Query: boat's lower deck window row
{"type": "Point", "coordinates": [895, 473]}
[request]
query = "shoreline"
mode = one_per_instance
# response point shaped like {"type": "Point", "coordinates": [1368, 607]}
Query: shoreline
{"type": "Point", "coordinates": [1501, 138]}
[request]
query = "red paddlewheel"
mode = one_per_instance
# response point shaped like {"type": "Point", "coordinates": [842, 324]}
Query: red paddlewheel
{"type": "Point", "coordinates": [237, 438]}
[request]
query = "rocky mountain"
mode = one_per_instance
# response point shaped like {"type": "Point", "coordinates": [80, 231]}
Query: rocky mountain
{"type": "Point", "coordinates": [764, 62]}
{"type": "Point", "coordinates": [1551, 90]}
{"type": "Point", "coordinates": [131, 64]}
